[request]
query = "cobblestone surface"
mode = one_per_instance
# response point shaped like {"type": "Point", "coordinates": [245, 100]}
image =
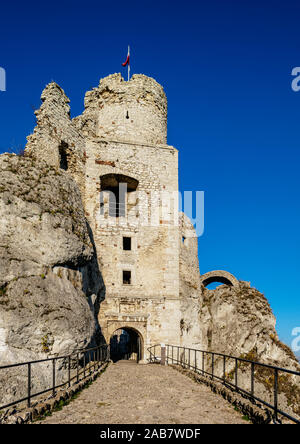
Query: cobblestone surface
{"type": "Point", "coordinates": [145, 394]}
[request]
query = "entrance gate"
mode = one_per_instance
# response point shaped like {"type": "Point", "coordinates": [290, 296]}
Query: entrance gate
{"type": "Point", "coordinates": [125, 344]}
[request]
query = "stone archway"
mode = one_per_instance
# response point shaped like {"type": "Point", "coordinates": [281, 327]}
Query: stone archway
{"type": "Point", "coordinates": [126, 343]}
{"type": "Point", "coordinates": [218, 276]}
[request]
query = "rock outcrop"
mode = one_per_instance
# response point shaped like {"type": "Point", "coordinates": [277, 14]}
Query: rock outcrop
{"type": "Point", "coordinates": [50, 285]}
{"type": "Point", "coordinates": [233, 319]}
{"type": "Point", "coordinates": [238, 321]}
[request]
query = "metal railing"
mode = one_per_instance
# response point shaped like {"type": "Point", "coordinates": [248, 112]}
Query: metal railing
{"type": "Point", "coordinates": [81, 363]}
{"type": "Point", "coordinates": [197, 361]}
{"type": "Point", "coordinates": [114, 209]}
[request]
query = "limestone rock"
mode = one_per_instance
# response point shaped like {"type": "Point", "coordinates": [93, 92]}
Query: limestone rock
{"type": "Point", "coordinates": [238, 321]}
{"type": "Point", "coordinates": [50, 284]}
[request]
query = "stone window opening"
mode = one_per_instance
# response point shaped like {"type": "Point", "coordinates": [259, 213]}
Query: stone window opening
{"type": "Point", "coordinates": [63, 156]}
{"type": "Point", "coordinates": [127, 243]}
{"type": "Point", "coordinates": [183, 239]}
{"type": "Point", "coordinates": [127, 115]}
{"type": "Point", "coordinates": [126, 277]}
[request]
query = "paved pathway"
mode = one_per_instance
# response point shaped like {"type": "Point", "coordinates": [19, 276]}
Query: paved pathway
{"type": "Point", "coordinates": [129, 393]}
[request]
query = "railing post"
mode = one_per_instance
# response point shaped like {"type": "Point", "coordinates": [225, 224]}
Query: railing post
{"type": "Point", "coordinates": [276, 393]}
{"type": "Point", "coordinates": [77, 367]}
{"type": "Point", "coordinates": [69, 371]}
{"type": "Point", "coordinates": [252, 378]}
{"type": "Point", "coordinates": [172, 355]}
{"type": "Point", "coordinates": [236, 373]}
{"type": "Point", "coordinates": [29, 384]}
{"type": "Point", "coordinates": [212, 365]}
{"type": "Point", "coordinates": [202, 363]}
{"type": "Point", "coordinates": [224, 365]}
{"type": "Point", "coordinates": [53, 376]}
{"type": "Point", "coordinates": [189, 358]}
{"type": "Point", "coordinates": [162, 354]}
{"type": "Point", "coordinates": [195, 360]}
{"type": "Point", "coordinates": [84, 365]}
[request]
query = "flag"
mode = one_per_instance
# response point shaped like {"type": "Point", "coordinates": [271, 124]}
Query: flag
{"type": "Point", "coordinates": [127, 61]}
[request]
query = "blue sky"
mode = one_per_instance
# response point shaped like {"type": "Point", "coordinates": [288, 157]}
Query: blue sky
{"type": "Point", "coordinates": [226, 68]}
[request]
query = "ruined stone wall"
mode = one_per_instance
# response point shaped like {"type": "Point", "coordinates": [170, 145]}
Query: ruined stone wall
{"type": "Point", "coordinates": [133, 111]}
{"type": "Point", "coordinates": [56, 133]}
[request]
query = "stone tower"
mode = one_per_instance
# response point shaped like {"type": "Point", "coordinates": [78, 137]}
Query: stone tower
{"type": "Point", "coordinates": [125, 126]}
{"type": "Point", "coordinates": [121, 138]}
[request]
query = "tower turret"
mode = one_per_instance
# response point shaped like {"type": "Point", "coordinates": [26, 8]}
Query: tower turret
{"type": "Point", "coordinates": [134, 110]}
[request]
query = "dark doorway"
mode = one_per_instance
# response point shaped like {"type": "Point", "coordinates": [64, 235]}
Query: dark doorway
{"type": "Point", "coordinates": [126, 344]}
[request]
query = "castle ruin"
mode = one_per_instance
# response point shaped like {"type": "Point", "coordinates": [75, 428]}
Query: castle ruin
{"type": "Point", "coordinates": [147, 252]}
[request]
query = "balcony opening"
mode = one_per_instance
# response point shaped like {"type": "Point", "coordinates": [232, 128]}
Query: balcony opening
{"type": "Point", "coordinates": [127, 243]}
{"type": "Point", "coordinates": [117, 187]}
{"type": "Point", "coordinates": [126, 277]}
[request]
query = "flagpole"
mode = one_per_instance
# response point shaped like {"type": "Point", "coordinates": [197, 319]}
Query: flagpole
{"type": "Point", "coordinates": [129, 63]}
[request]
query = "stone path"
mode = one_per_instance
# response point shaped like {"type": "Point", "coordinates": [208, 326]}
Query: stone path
{"type": "Point", "coordinates": [129, 393]}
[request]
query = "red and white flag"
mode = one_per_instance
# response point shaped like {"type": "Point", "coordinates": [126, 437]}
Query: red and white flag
{"type": "Point", "coordinates": [127, 62]}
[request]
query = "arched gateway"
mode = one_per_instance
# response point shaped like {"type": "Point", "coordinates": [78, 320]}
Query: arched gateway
{"type": "Point", "coordinates": [221, 276]}
{"type": "Point", "coordinates": [126, 343]}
